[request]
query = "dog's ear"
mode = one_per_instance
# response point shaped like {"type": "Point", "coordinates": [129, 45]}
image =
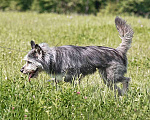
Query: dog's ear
{"type": "Point", "coordinates": [32, 44]}
{"type": "Point", "coordinates": [38, 49]}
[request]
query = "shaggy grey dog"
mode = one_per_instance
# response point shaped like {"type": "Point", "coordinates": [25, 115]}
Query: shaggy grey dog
{"type": "Point", "coordinates": [71, 62]}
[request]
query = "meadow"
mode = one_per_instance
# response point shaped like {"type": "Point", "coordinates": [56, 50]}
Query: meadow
{"type": "Point", "coordinates": [92, 100]}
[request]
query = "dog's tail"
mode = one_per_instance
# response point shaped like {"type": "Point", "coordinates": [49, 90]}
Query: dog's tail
{"type": "Point", "coordinates": [126, 34]}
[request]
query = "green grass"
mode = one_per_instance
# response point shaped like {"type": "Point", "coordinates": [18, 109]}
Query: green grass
{"type": "Point", "coordinates": [20, 99]}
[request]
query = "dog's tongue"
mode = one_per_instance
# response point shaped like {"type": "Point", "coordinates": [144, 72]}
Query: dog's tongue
{"type": "Point", "coordinates": [30, 75]}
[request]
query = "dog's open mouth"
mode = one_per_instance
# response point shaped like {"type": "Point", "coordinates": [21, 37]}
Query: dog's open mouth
{"type": "Point", "coordinates": [32, 74]}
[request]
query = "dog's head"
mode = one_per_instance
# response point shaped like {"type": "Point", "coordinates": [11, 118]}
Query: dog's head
{"type": "Point", "coordinates": [33, 61]}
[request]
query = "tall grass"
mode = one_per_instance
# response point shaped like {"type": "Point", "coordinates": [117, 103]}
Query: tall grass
{"type": "Point", "coordinates": [92, 100]}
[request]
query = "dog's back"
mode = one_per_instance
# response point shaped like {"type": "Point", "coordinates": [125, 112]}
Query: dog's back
{"type": "Point", "coordinates": [84, 60]}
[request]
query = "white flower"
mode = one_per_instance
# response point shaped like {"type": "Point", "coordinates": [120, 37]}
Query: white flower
{"type": "Point", "coordinates": [26, 110]}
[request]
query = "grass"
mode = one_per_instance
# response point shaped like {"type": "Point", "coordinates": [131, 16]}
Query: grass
{"type": "Point", "coordinates": [92, 100]}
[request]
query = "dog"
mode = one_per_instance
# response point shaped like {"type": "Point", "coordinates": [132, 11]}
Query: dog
{"type": "Point", "coordinates": [70, 62]}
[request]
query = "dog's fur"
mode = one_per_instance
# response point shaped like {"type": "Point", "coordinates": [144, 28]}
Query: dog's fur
{"type": "Point", "coordinates": [75, 61]}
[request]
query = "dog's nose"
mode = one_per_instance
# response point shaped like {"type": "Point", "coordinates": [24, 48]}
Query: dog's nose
{"type": "Point", "coordinates": [21, 70]}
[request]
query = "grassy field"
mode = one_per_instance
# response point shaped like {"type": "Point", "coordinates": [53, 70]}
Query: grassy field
{"type": "Point", "coordinates": [92, 100]}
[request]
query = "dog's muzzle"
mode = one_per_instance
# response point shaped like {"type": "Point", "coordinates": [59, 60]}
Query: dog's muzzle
{"type": "Point", "coordinates": [22, 69]}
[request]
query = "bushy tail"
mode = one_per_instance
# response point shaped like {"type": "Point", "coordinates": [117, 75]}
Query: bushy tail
{"type": "Point", "coordinates": [126, 34]}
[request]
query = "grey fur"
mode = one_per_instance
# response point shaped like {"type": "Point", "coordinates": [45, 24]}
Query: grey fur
{"type": "Point", "coordinates": [76, 61]}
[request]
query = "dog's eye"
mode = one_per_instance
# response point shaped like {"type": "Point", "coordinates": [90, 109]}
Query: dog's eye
{"type": "Point", "coordinates": [28, 62]}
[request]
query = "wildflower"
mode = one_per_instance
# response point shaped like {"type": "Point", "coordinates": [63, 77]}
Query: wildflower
{"type": "Point", "coordinates": [85, 97]}
{"type": "Point", "coordinates": [71, 17]}
{"type": "Point", "coordinates": [34, 96]}
{"type": "Point", "coordinates": [139, 21]}
{"type": "Point", "coordinates": [13, 108]}
{"type": "Point", "coordinates": [26, 110]}
{"type": "Point", "coordinates": [78, 92]}
{"type": "Point", "coordinates": [25, 115]}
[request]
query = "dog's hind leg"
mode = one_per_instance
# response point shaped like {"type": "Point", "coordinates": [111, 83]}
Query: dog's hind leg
{"type": "Point", "coordinates": [114, 87]}
{"type": "Point", "coordinates": [113, 75]}
{"type": "Point", "coordinates": [109, 81]}
{"type": "Point", "coordinates": [125, 83]}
